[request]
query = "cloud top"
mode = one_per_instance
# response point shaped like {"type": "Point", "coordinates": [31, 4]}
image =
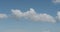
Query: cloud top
{"type": "Point", "coordinates": [31, 14]}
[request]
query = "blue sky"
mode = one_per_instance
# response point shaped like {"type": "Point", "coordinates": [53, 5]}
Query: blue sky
{"type": "Point", "coordinates": [29, 15]}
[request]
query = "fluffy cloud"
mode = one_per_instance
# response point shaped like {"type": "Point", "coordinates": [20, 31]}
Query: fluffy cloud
{"type": "Point", "coordinates": [2, 16]}
{"type": "Point", "coordinates": [31, 14]}
{"type": "Point", "coordinates": [56, 1]}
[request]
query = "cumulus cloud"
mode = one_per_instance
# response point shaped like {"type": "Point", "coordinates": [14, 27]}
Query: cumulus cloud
{"type": "Point", "coordinates": [56, 1]}
{"type": "Point", "coordinates": [2, 16]}
{"type": "Point", "coordinates": [31, 14]}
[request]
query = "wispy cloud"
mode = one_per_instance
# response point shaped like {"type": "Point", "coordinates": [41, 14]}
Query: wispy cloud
{"type": "Point", "coordinates": [58, 16]}
{"type": "Point", "coordinates": [46, 31]}
{"type": "Point", "coordinates": [56, 1]}
{"type": "Point", "coordinates": [23, 30]}
{"type": "Point", "coordinates": [15, 30]}
{"type": "Point", "coordinates": [2, 16]}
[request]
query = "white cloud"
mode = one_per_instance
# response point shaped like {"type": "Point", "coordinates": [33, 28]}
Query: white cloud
{"type": "Point", "coordinates": [58, 15]}
{"type": "Point", "coordinates": [56, 1]}
{"type": "Point", "coordinates": [2, 16]}
{"type": "Point", "coordinates": [31, 14]}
